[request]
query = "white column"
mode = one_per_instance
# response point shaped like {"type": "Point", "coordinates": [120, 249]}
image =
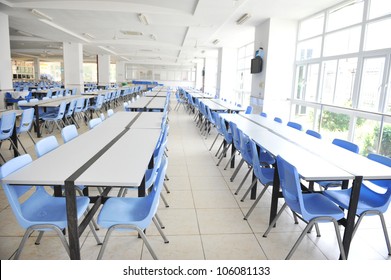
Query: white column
{"type": "Point", "coordinates": [226, 73]}
{"type": "Point", "coordinates": [103, 69]}
{"type": "Point", "coordinates": [5, 58]}
{"type": "Point", "coordinates": [37, 70]}
{"type": "Point", "coordinates": [120, 72]}
{"type": "Point", "coordinates": [73, 66]}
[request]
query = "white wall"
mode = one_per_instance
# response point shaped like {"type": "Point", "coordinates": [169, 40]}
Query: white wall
{"type": "Point", "coordinates": [5, 58]}
{"type": "Point", "coordinates": [226, 72]}
{"type": "Point", "coordinates": [274, 84]}
{"type": "Point", "coordinates": [73, 66]}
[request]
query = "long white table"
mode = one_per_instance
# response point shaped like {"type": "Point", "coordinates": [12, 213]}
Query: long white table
{"type": "Point", "coordinates": [315, 160]}
{"type": "Point", "coordinates": [110, 155]}
{"type": "Point", "coordinates": [147, 104]}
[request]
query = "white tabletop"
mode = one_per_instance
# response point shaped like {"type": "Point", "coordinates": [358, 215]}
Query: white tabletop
{"type": "Point", "coordinates": [148, 103]}
{"type": "Point", "coordinates": [213, 106]}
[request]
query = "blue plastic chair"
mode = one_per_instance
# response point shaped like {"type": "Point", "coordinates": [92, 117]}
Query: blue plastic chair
{"type": "Point", "coordinates": [263, 173]}
{"type": "Point", "coordinates": [263, 114]}
{"type": "Point", "coordinates": [97, 107]}
{"type": "Point", "coordinates": [55, 118]}
{"type": "Point", "coordinates": [227, 139]}
{"type": "Point", "coordinates": [133, 213]}
{"type": "Point", "coordinates": [215, 116]}
{"type": "Point", "coordinates": [94, 122]}
{"type": "Point", "coordinates": [314, 133]}
{"type": "Point", "coordinates": [277, 119]}
{"type": "Point", "coordinates": [7, 124]}
{"type": "Point", "coordinates": [10, 101]}
{"type": "Point", "coordinates": [78, 111]}
{"type": "Point", "coordinates": [370, 202]}
{"type": "Point", "coordinates": [68, 116]}
{"type": "Point", "coordinates": [295, 125]}
{"type": "Point", "coordinates": [40, 211]}
{"type": "Point", "coordinates": [110, 112]}
{"type": "Point", "coordinates": [313, 208]}
{"type": "Point", "coordinates": [26, 121]}
{"type": "Point", "coordinates": [69, 132]}
{"type": "Point", "coordinates": [249, 110]}
{"type": "Point", "coordinates": [236, 142]}
{"type": "Point", "coordinates": [348, 146]}
{"type": "Point", "coordinates": [46, 145]}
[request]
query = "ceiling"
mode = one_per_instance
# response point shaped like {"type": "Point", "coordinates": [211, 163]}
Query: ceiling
{"type": "Point", "coordinates": [177, 32]}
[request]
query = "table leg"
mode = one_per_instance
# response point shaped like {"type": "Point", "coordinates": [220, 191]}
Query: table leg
{"type": "Point", "coordinates": [73, 232]}
{"type": "Point", "coordinates": [275, 195]}
{"type": "Point", "coordinates": [14, 139]}
{"type": "Point", "coordinates": [351, 216]}
{"type": "Point", "coordinates": [37, 128]}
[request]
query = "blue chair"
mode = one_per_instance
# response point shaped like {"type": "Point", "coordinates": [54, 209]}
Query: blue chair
{"type": "Point", "coordinates": [263, 173]}
{"type": "Point", "coordinates": [26, 121]}
{"type": "Point", "coordinates": [263, 114]}
{"type": "Point", "coordinates": [314, 133]}
{"type": "Point", "coordinates": [277, 119]}
{"type": "Point", "coordinates": [41, 211]}
{"type": "Point", "coordinates": [55, 118]}
{"type": "Point", "coordinates": [78, 111]}
{"type": "Point", "coordinates": [313, 208]}
{"type": "Point", "coordinates": [180, 102]}
{"type": "Point", "coordinates": [133, 213]}
{"type": "Point", "coordinates": [97, 107]}
{"type": "Point", "coordinates": [249, 110]}
{"type": "Point", "coordinates": [68, 116]}
{"type": "Point", "coordinates": [110, 112]}
{"type": "Point", "coordinates": [370, 202]}
{"type": "Point", "coordinates": [348, 146]}
{"type": "Point", "coordinates": [46, 145]}
{"type": "Point", "coordinates": [227, 140]}
{"type": "Point", "coordinates": [215, 116]}
{"type": "Point", "coordinates": [69, 132]}
{"type": "Point", "coordinates": [94, 122]}
{"type": "Point", "coordinates": [7, 124]}
{"type": "Point", "coordinates": [295, 125]}
{"type": "Point", "coordinates": [10, 101]}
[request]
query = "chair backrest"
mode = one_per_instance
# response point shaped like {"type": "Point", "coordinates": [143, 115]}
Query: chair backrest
{"type": "Point", "coordinates": [235, 135]}
{"type": "Point", "coordinates": [385, 161]}
{"type": "Point", "coordinates": [313, 133]}
{"type": "Point", "coordinates": [71, 108]}
{"type": "Point", "coordinates": [227, 135]}
{"type": "Point", "coordinates": [13, 193]}
{"type": "Point", "coordinates": [249, 110]}
{"type": "Point", "coordinates": [94, 122]}
{"type": "Point", "coordinates": [7, 124]}
{"type": "Point", "coordinates": [26, 121]}
{"type": "Point", "coordinates": [295, 125]}
{"type": "Point", "coordinates": [346, 145]}
{"type": "Point", "coordinates": [245, 147]}
{"type": "Point", "coordinates": [256, 163]}
{"type": "Point", "coordinates": [46, 145]}
{"type": "Point", "coordinates": [290, 186]}
{"type": "Point", "coordinates": [69, 132]}
{"type": "Point", "coordinates": [263, 114]}
{"type": "Point", "coordinates": [277, 119]}
{"type": "Point", "coordinates": [79, 105]}
{"type": "Point", "coordinates": [110, 112]}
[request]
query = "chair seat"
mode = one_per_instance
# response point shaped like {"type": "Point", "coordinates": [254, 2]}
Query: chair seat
{"type": "Point", "coordinates": [126, 210]}
{"type": "Point", "coordinates": [369, 200]}
{"type": "Point", "coordinates": [45, 209]}
{"type": "Point", "coordinates": [318, 205]}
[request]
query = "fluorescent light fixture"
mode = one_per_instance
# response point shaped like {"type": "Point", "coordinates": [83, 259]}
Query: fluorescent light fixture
{"type": "Point", "coordinates": [25, 33]}
{"type": "Point", "coordinates": [243, 18]}
{"type": "Point", "coordinates": [215, 42]}
{"type": "Point", "coordinates": [88, 35]}
{"type": "Point", "coordinates": [41, 15]}
{"type": "Point", "coordinates": [143, 19]}
{"type": "Point", "coordinates": [108, 50]}
{"type": "Point", "coordinates": [65, 30]}
{"type": "Point", "coordinates": [128, 32]}
{"type": "Point", "coordinates": [152, 37]}
{"type": "Point", "coordinates": [124, 58]}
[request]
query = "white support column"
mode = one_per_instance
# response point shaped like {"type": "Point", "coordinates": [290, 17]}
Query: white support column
{"type": "Point", "coordinates": [5, 58]}
{"type": "Point", "coordinates": [120, 72]}
{"type": "Point", "coordinates": [73, 66]}
{"type": "Point", "coordinates": [226, 73]}
{"type": "Point", "coordinates": [37, 70]}
{"type": "Point", "coordinates": [103, 69]}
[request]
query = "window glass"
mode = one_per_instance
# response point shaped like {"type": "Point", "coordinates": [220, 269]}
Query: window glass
{"type": "Point", "coordinates": [375, 37]}
{"type": "Point", "coordinates": [366, 135]}
{"type": "Point", "coordinates": [329, 75]}
{"type": "Point", "coordinates": [90, 72]}
{"type": "Point", "coordinates": [334, 125]}
{"type": "Point", "coordinates": [379, 8]}
{"type": "Point", "coordinates": [304, 115]}
{"type": "Point", "coordinates": [344, 87]}
{"type": "Point", "coordinates": [371, 81]}
{"type": "Point", "coordinates": [309, 49]}
{"type": "Point", "coordinates": [345, 15]}
{"type": "Point", "coordinates": [342, 42]}
{"type": "Point", "coordinates": [311, 27]}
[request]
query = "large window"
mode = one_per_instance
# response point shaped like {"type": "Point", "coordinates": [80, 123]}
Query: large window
{"type": "Point", "coordinates": [243, 75]}
{"type": "Point", "coordinates": [343, 73]}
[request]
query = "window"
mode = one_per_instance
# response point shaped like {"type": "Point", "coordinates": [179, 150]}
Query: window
{"type": "Point", "coordinates": [311, 27]}
{"type": "Point", "coordinates": [342, 42]}
{"type": "Point", "coordinates": [379, 8]}
{"type": "Point", "coordinates": [243, 74]}
{"type": "Point", "coordinates": [375, 38]}
{"type": "Point", "coordinates": [90, 72]}
{"type": "Point", "coordinates": [347, 14]}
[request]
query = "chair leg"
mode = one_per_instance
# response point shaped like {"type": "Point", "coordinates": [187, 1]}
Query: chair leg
{"type": "Point", "coordinates": [275, 220]}
{"type": "Point", "coordinates": [217, 136]}
{"type": "Point", "coordinates": [165, 187]}
{"type": "Point", "coordinates": [255, 203]}
{"type": "Point", "coordinates": [162, 226]}
{"type": "Point", "coordinates": [232, 157]}
{"type": "Point", "coordinates": [20, 142]}
{"type": "Point", "coordinates": [160, 230]}
{"type": "Point", "coordinates": [38, 241]}
{"type": "Point", "coordinates": [164, 200]}
{"type": "Point", "coordinates": [242, 183]}
{"type": "Point", "coordinates": [236, 170]}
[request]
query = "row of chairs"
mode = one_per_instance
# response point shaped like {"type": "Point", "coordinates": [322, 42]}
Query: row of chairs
{"type": "Point", "coordinates": [301, 204]}
{"type": "Point", "coordinates": [138, 212]}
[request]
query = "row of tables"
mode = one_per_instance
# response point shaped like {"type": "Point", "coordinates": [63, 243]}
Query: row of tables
{"type": "Point", "coordinates": [315, 160]}
{"type": "Point", "coordinates": [110, 155]}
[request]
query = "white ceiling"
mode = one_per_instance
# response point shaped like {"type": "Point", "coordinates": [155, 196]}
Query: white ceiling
{"type": "Point", "coordinates": [183, 29]}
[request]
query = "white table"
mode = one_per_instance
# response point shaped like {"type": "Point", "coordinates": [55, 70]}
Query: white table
{"type": "Point", "coordinates": [147, 104]}
{"type": "Point", "coordinates": [315, 160]}
{"type": "Point", "coordinates": [110, 155]}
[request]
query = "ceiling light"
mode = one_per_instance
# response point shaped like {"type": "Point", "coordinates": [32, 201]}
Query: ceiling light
{"type": "Point", "coordinates": [127, 32]}
{"type": "Point", "coordinates": [63, 29]}
{"type": "Point", "coordinates": [40, 15]}
{"type": "Point", "coordinates": [143, 19]}
{"type": "Point", "coordinates": [88, 35]}
{"type": "Point", "coordinates": [215, 42]}
{"type": "Point", "coordinates": [25, 33]}
{"type": "Point", "coordinates": [243, 18]}
{"type": "Point", "coordinates": [106, 49]}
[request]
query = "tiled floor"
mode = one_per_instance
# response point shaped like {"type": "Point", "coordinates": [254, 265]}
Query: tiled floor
{"type": "Point", "coordinates": [205, 219]}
